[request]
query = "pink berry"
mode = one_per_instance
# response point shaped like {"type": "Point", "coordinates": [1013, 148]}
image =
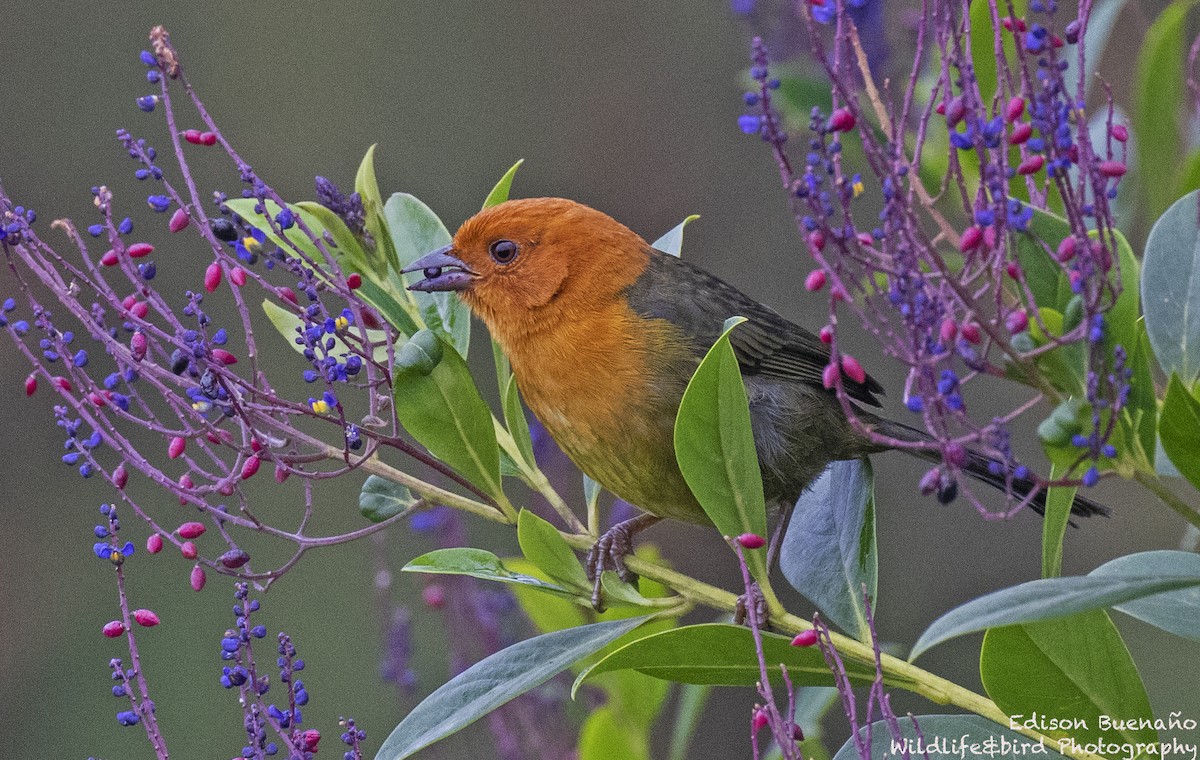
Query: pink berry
{"type": "Point", "coordinates": [309, 739]}
{"type": "Point", "coordinates": [120, 477]}
{"type": "Point", "coordinates": [208, 138]}
{"type": "Point", "coordinates": [970, 240]}
{"type": "Point", "coordinates": [146, 618]}
{"type": "Point", "coordinates": [864, 238]}
{"type": "Point", "coordinates": [189, 550]}
{"type": "Point", "coordinates": [354, 281]}
{"type": "Point", "coordinates": [1021, 133]}
{"type": "Point", "coordinates": [154, 543]}
{"type": "Point", "coordinates": [842, 120]}
{"type": "Point", "coordinates": [1111, 168]}
{"type": "Point", "coordinates": [1031, 165]}
{"type": "Point", "coordinates": [759, 721]}
{"type": "Point", "coordinates": [1066, 249]}
{"type": "Point", "coordinates": [955, 454]}
{"type": "Point", "coordinates": [109, 259]}
{"type": "Point", "coordinates": [138, 345]}
{"type": "Point", "coordinates": [1013, 269]}
{"type": "Point", "coordinates": [191, 530]}
{"type": "Point", "coordinates": [198, 578]}
{"type": "Point", "coordinates": [1016, 321]}
{"type": "Point", "coordinates": [234, 558]}
{"type": "Point", "coordinates": [237, 276]}
{"type": "Point", "coordinates": [434, 596]}
{"type": "Point", "coordinates": [853, 369]}
{"type": "Point", "coordinates": [949, 330]}
{"type": "Point", "coordinates": [829, 375]}
{"type": "Point", "coordinates": [62, 383]}
{"type": "Point", "coordinates": [179, 220]}
{"type": "Point", "coordinates": [30, 385]}
{"type": "Point", "coordinates": [751, 541]}
{"type": "Point", "coordinates": [192, 136]}
{"type": "Point", "coordinates": [1120, 133]}
{"type": "Point", "coordinates": [250, 467]}
{"type": "Point", "coordinates": [139, 250]}
{"type": "Point", "coordinates": [970, 333]}
{"type": "Point", "coordinates": [140, 309]}
{"type": "Point", "coordinates": [113, 629]}
{"type": "Point", "coordinates": [816, 240]}
{"type": "Point", "coordinates": [955, 111]}
{"type": "Point", "coordinates": [176, 446]}
{"type": "Point", "coordinates": [815, 280]}
{"type": "Point", "coordinates": [1014, 109]}
{"type": "Point", "coordinates": [805, 638]}
{"type": "Point", "coordinates": [281, 473]}
{"type": "Point", "coordinates": [212, 276]}
{"type": "Point", "coordinates": [826, 335]}
{"type": "Point", "coordinates": [288, 294]}
{"type": "Point", "coordinates": [223, 356]}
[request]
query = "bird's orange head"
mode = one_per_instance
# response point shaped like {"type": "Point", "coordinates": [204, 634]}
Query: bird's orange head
{"type": "Point", "coordinates": [526, 264]}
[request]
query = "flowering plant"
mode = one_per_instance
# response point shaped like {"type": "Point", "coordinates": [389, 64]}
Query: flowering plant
{"type": "Point", "coordinates": [1014, 269]}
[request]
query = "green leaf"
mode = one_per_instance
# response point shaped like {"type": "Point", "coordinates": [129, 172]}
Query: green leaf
{"type": "Point", "coordinates": [1051, 598]}
{"type": "Point", "coordinates": [978, 737]}
{"type": "Point", "coordinates": [1179, 429]}
{"type": "Point", "coordinates": [514, 418]}
{"type": "Point", "coordinates": [499, 193]}
{"type": "Point", "coordinates": [1042, 273]}
{"type": "Point", "coordinates": [605, 736]}
{"type": "Point", "coordinates": [1159, 90]}
{"type": "Point", "coordinates": [1171, 289]}
{"type": "Point", "coordinates": [494, 681]}
{"type": "Point", "coordinates": [381, 499]}
{"type": "Point", "coordinates": [547, 613]}
{"type": "Point", "coordinates": [688, 712]}
{"type": "Point", "coordinates": [481, 564]}
{"type": "Point", "coordinates": [829, 552]}
{"type": "Point", "coordinates": [367, 187]}
{"type": "Point", "coordinates": [1067, 668]}
{"type": "Point", "coordinates": [440, 406]}
{"type": "Point", "coordinates": [1176, 612]}
{"type": "Point", "coordinates": [415, 231]}
{"type": "Point", "coordinates": [542, 545]}
{"type": "Point", "coordinates": [672, 242]}
{"type": "Point", "coordinates": [715, 447]}
{"type": "Point", "coordinates": [1054, 524]}
{"type": "Point", "coordinates": [720, 654]}
{"type": "Point", "coordinates": [289, 326]}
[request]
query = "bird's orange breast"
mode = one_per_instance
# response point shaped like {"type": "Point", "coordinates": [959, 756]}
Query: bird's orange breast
{"type": "Point", "coordinates": [607, 386]}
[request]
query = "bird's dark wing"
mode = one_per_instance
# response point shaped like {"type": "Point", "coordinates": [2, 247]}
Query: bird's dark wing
{"type": "Point", "coordinates": [767, 345]}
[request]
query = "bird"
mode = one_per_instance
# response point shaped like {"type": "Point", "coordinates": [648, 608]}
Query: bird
{"type": "Point", "coordinates": [603, 333]}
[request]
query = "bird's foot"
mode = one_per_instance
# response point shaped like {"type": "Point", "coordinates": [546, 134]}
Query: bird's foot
{"type": "Point", "coordinates": [741, 611]}
{"type": "Point", "coordinates": [609, 552]}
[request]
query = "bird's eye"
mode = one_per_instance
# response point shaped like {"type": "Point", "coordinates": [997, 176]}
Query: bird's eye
{"type": "Point", "coordinates": [503, 251]}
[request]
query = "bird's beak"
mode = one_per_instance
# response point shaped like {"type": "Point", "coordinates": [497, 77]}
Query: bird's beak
{"type": "Point", "coordinates": [442, 271]}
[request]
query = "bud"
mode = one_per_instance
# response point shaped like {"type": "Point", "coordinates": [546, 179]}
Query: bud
{"type": "Point", "coordinates": [138, 345]}
{"type": "Point", "coordinates": [1031, 165]}
{"type": "Point", "coordinates": [805, 638]}
{"type": "Point", "coordinates": [1021, 133]}
{"type": "Point", "coordinates": [109, 259]}
{"type": "Point", "coordinates": [120, 477]}
{"type": "Point", "coordinates": [1066, 249]}
{"type": "Point", "coordinates": [853, 369]}
{"type": "Point", "coordinates": [189, 550]}
{"type": "Point", "coordinates": [1014, 109]}
{"type": "Point", "coordinates": [192, 136]}
{"type": "Point", "coordinates": [826, 335]}
{"type": "Point", "coordinates": [829, 375]}
{"type": "Point", "coordinates": [154, 543]}
{"type": "Point", "coordinates": [139, 250]}
{"type": "Point", "coordinates": [751, 541]}
{"type": "Point", "coordinates": [191, 530]}
{"type": "Point", "coordinates": [234, 558]}
{"type": "Point", "coordinates": [146, 618]}
{"type": "Point", "coordinates": [1120, 132]}
{"type": "Point", "coordinates": [176, 446]}
{"type": "Point", "coordinates": [237, 276]}
{"type": "Point", "coordinates": [250, 467]}
{"type": "Point", "coordinates": [113, 629]}
{"type": "Point", "coordinates": [198, 578]}
{"type": "Point", "coordinates": [179, 220]}
{"type": "Point", "coordinates": [842, 120]}
{"type": "Point", "coordinates": [815, 280]}
{"type": "Point", "coordinates": [949, 330]}
{"type": "Point", "coordinates": [970, 240]}
{"type": "Point", "coordinates": [31, 385]}
{"type": "Point", "coordinates": [281, 473]}
{"type": "Point", "coordinates": [212, 276]}
{"type": "Point", "coordinates": [1111, 168]}
{"type": "Point", "coordinates": [759, 721]}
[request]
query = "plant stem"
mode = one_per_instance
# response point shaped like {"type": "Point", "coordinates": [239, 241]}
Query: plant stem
{"type": "Point", "coordinates": [1168, 497]}
{"type": "Point", "coordinates": [914, 679]}
{"type": "Point", "coordinates": [504, 514]}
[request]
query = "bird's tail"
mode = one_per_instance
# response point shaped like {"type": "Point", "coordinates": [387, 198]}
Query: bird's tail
{"type": "Point", "coordinates": [978, 467]}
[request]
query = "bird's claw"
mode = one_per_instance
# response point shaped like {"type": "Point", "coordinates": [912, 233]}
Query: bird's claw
{"type": "Point", "coordinates": [741, 610]}
{"type": "Point", "coordinates": [609, 552]}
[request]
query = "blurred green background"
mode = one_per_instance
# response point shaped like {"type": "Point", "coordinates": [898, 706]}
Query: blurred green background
{"type": "Point", "coordinates": [627, 106]}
